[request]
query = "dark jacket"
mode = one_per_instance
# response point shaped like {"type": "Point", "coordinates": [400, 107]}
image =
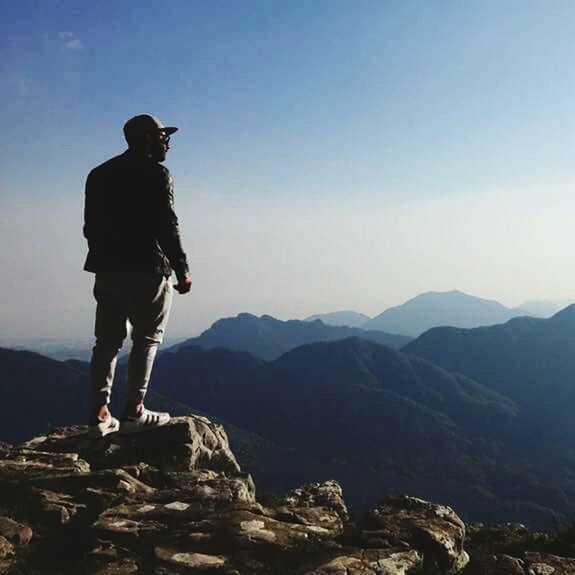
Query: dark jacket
{"type": "Point", "coordinates": [129, 218]}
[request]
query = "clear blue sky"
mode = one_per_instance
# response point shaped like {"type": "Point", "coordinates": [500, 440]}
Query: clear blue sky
{"type": "Point", "coordinates": [332, 154]}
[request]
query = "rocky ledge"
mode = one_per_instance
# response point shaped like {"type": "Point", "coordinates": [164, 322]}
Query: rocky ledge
{"type": "Point", "coordinates": [173, 500]}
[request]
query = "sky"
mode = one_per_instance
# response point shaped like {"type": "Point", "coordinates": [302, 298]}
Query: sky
{"type": "Point", "coordinates": [332, 155]}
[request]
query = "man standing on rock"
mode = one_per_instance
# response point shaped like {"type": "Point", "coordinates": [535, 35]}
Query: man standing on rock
{"type": "Point", "coordinates": [133, 246]}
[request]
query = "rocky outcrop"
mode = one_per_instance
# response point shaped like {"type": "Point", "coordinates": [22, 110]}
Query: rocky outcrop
{"type": "Point", "coordinates": [545, 564]}
{"type": "Point", "coordinates": [173, 500]}
{"type": "Point", "coordinates": [435, 530]}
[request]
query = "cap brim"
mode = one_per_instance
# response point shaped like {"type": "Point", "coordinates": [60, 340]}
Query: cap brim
{"type": "Point", "coordinates": [168, 130]}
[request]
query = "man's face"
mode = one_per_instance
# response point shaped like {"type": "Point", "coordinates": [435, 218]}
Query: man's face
{"type": "Point", "coordinates": [159, 145]}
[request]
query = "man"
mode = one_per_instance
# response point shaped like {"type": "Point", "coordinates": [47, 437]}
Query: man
{"type": "Point", "coordinates": [133, 246]}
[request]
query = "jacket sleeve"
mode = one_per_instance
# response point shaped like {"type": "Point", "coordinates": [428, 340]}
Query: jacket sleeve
{"type": "Point", "coordinates": [168, 230]}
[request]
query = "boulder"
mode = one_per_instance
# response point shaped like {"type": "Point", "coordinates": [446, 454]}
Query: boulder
{"type": "Point", "coordinates": [495, 565]}
{"type": "Point", "coordinates": [207, 485]}
{"type": "Point", "coordinates": [14, 531]}
{"type": "Point", "coordinates": [545, 564]}
{"type": "Point", "coordinates": [173, 500]}
{"type": "Point", "coordinates": [185, 443]}
{"type": "Point", "coordinates": [196, 561]}
{"type": "Point", "coordinates": [6, 548]}
{"type": "Point", "coordinates": [432, 529]}
{"type": "Point", "coordinates": [371, 562]}
{"type": "Point", "coordinates": [327, 495]}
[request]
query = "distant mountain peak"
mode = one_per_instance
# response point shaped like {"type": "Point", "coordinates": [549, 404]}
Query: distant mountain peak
{"type": "Point", "coordinates": [341, 318]}
{"type": "Point", "coordinates": [433, 309]}
{"type": "Point", "coordinates": [242, 315]}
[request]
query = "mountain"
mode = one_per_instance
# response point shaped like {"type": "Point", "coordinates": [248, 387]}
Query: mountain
{"type": "Point", "coordinates": [44, 394]}
{"type": "Point", "coordinates": [380, 421]}
{"type": "Point", "coordinates": [544, 308]}
{"type": "Point", "coordinates": [54, 348]}
{"type": "Point", "coordinates": [268, 338]}
{"type": "Point", "coordinates": [346, 318]}
{"type": "Point", "coordinates": [432, 309]}
{"type": "Point", "coordinates": [529, 359]}
{"type": "Point", "coordinates": [38, 393]}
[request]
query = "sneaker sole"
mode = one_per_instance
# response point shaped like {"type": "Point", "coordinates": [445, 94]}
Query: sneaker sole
{"type": "Point", "coordinates": [97, 433]}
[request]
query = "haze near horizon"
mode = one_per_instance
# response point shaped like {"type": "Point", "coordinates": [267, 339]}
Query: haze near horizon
{"type": "Point", "coordinates": [331, 155]}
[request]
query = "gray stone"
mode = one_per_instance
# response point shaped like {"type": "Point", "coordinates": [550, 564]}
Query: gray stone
{"type": "Point", "coordinates": [185, 443]}
{"type": "Point", "coordinates": [116, 480]}
{"type": "Point", "coordinates": [435, 530]}
{"type": "Point", "coordinates": [495, 565]}
{"type": "Point", "coordinates": [30, 460]}
{"type": "Point", "coordinates": [199, 561]}
{"type": "Point", "coordinates": [327, 495]}
{"type": "Point", "coordinates": [545, 564]}
{"type": "Point", "coordinates": [208, 485]}
{"type": "Point", "coordinates": [54, 508]}
{"type": "Point", "coordinates": [123, 567]}
{"type": "Point", "coordinates": [6, 548]}
{"type": "Point", "coordinates": [114, 528]}
{"type": "Point", "coordinates": [14, 531]}
{"type": "Point", "coordinates": [371, 562]}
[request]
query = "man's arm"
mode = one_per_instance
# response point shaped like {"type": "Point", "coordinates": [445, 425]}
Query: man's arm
{"type": "Point", "coordinates": [168, 233]}
{"type": "Point", "coordinates": [88, 207]}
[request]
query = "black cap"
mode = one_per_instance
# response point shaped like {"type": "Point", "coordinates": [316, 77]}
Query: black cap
{"type": "Point", "coordinates": [143, 124]}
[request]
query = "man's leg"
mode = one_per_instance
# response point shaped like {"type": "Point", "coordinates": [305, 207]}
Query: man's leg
{"type": "Point", "coordinates": [110, 331]}
{"type": "Point", "coordinates": [148, 313]}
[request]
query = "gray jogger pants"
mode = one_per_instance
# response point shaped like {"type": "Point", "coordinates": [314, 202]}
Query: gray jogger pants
{"type": "Point", "coordinates": [144, 299]}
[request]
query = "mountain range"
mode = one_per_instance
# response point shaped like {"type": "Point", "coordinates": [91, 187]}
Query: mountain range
{"type": "Point", "coordinates": [478, 418]}
{"type": "Point", "coordinates": [428, 310]}
{"type": "Point", "coordinates": [529, 359]}
{"type": "Point", "coordinates": [268, 338]}
{"type": "Point", "coordinates": [402, 423]}
{"type": "Point", "coordinates": [434, 309]}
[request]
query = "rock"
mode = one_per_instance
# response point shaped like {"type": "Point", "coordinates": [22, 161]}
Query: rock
{"type": "Point", "coordinates": [123, 567]}
{"type": "Point", "coordinates": [22, 459]}
{"type": "Point", "coordinates": [434, 530]}
{"type": "Point", "coordinates": [495, 565]}
{"type": "Point", "coordinates": [544, 564]}
{"type": "Point", "coordinates": [112, 526]}
{"type": "Point", "coordinates": [173, 500]}
{"type": "Point", "coordinates": [53, 508]}
{"type": "Point", "coordinates": [328, 495]}
{"type": "Point", "coordinates": [371, 562]}
{"type": "Point", "coordinates": [21, 465]}
{"type": "Point", "coordinates": [208, 485]}
{"type": "Point", "coordinates": [237, 533]}
{"type": "Point", "coordinates": [116, 480]}
{"type": "Point", "coordinates": [198, 561]}
{"type": "Point", "coordinates": [185, 443]}
{"type": "Point", "coordinates": [6, 548]}
{"type": "Point", "coordinates": [14, 531]}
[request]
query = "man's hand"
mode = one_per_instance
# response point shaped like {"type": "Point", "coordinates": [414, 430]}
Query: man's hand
{"type": "Point", "coordinates": [184, 285]}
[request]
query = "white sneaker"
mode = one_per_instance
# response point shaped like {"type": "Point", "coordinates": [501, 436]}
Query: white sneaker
{"type": "Point", "coordinates": [147, 420]}
{"type": "Point", "coordinates": [102, 428]}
